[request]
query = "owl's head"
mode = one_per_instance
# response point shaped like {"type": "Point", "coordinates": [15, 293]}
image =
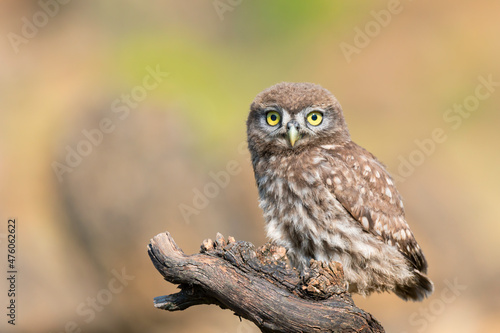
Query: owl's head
{"type": "Point", "coordinates": [290, 117]}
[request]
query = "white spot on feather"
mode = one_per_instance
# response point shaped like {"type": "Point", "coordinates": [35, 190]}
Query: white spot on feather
{"type": "Point", "coordinates": [365, 222]}
{"type": "Point", "coordinates": [317, 159]}
{"type": "Point", "coordinates": [388, 192]}
{"type": "Point", "coordinates": [367, 169]}
{"type": "Point", "coordinates": [408, 233]}
{"type": "Point", "coordinates": [402, 234]}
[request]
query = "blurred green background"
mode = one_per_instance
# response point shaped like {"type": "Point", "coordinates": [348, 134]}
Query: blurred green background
{"type": "Point", "coordinates": [64, 68]}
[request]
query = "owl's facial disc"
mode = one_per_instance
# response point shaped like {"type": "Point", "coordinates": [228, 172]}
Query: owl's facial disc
{"type": "Point", "coordinates": [317, 113]}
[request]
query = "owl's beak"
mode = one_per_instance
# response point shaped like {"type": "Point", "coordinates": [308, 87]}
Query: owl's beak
{"type": "Point", "coordinates": [293, 131]}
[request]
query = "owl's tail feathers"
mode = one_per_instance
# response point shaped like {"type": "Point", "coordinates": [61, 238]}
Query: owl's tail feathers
{"type": "Point", "coordinates": [416, 289]}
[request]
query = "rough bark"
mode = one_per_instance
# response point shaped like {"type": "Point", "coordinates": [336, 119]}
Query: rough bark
{"type": "Point", "coordinates": [258, 285]}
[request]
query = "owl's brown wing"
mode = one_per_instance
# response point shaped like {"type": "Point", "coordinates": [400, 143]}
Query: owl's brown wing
{"type": "Point", "coordinates": [366, 190]}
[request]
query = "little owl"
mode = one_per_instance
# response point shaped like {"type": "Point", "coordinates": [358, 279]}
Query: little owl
{"type": "Point", "coordinates": [326, 198]}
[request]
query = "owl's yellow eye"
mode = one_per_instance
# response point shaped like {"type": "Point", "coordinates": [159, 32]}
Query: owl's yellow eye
{"type": "Point", "coordinates": [273, 118]}
{"type": "Point", "coordinates": [315, 118]}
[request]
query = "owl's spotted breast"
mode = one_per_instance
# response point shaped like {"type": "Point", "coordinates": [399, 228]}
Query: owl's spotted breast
{"type": "Point", "coordinates": [297, 206]}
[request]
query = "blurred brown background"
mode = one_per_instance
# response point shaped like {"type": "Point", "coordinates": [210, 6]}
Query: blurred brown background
{"type": "Point", "coordinates": [75, 78]}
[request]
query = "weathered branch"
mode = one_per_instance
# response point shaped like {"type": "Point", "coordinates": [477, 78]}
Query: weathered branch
{"type": "Point", "coordinates": [258, 285]}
